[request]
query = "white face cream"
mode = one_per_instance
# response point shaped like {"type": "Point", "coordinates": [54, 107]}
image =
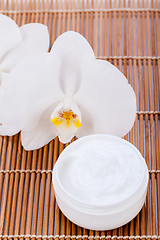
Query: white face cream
{"type": "Point", "coordinates": [100, 182]}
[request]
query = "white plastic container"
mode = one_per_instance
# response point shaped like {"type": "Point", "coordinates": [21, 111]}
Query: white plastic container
{"type": "Point", "coordinates": [100, 182]}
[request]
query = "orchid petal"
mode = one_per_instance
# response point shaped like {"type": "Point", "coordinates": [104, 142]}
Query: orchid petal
{"type": "Point", "coordinates": [3, 76]}
{"type": "Point", "coordinates": [8, 130]}
{"type": "Point", "coordinates": [10, 35]}
{"type": "Point", "coordinates": [5, 129]}
{"type": "Point", "coordinates": [41, 135]}
{"type": "Point", "coordinates": [73, 50]}
{"type": "Point", "coordinates": [65, 135]}
{"type": "Point", "coordinates": [35, 38]}
{"type": "Point", "coordinates": [31, 87]}
{"type": "Point", "coordinates": [107, 101]}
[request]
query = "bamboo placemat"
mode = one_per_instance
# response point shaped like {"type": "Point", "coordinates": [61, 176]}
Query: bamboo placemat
{"type": "Point", "coordinates": [127, 34]}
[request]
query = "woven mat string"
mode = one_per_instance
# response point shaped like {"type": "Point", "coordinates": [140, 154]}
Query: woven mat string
{"type": "Point", "coordinates": [80, 237]}
{"type": "Point", "coordinates": [130, 57]}
{"type": "Point", "coordinates": [83, 10]}
{"type": "Point", "coordinates": [48, 171]}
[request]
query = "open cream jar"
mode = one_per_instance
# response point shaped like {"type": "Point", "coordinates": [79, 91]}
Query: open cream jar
{"type": "Point", "coordinates": [100, 182]}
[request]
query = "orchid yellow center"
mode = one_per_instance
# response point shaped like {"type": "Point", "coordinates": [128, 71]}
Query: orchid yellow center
{"type": "Point", "coordinates": [67, 116]}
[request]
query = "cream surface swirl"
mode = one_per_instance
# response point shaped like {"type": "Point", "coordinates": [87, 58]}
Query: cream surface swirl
{"type": "Point", "coordinates": [101, 171]}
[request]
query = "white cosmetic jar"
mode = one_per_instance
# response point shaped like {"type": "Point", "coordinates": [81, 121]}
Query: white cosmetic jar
{"type": "Point", "coordinates": [100, 182]}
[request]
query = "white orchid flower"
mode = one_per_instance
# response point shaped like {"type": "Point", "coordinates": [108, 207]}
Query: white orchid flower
{"type": "Point", "coordinates": [66, 92]}
{"type": "Point", "coordinates": [17, 43]}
